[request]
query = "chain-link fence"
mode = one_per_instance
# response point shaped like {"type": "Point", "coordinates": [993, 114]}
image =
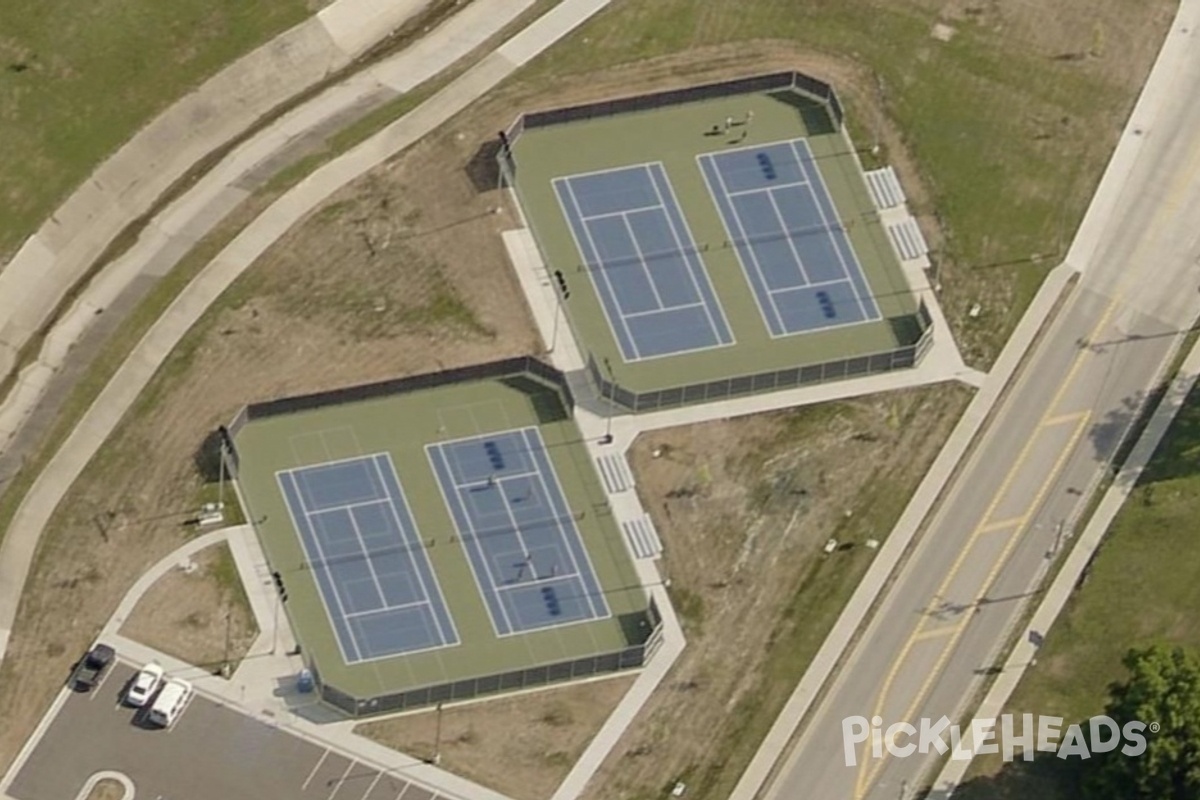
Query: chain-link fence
{"type": "Point", "coordinates": [754, 84]}
{"type": "Point", "coordinates": [902, 357]}
{"type": "Point", "coordinates": [917, 329]}
{"type": "Point", "coordinates": [630, 657]}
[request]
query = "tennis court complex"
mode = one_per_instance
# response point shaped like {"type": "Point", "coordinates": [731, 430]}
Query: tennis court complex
{"type": "Point", "coordinates": [788, 237]}
{"type": "Point", "coordinates": [642, 261]}
{"type": "Point", "coordinates": [525, 551]}
{"type": "Point", "coordinates": [440, 537]}
{"type": "Point", "coordinates": [713, 241]}
{"type": "Point", "coordinates": [362, 546]}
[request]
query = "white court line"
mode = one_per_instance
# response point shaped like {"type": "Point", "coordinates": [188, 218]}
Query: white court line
{"type": "Point", "coordinates": [688, 256]}
{"type": "Point", "coordinates": [868, 315]}
{"type": "Point", "coordinates": [437, 450]}
{"type": "Point", "coordinates": [574, 528]}
{"type": "Point", "coordinates": [599, 268]}
{"type": "Point", "coordinates": [595, 172]}
{"type": "Point", "coordinates": [362, 547]}
{"type": "Point", "coordinates": [750, 250]}
{"type": "Point", "coordinates": [382, 609]}
{"type": "Point", "coordinates": [644, 264]}
{"type": "Point", "coordinates": [317, 766]}
{"type": "Point", "coordinates": [756, 190]}
{"type": "Point", "coordinates": [844, 323]}
{"type": "Point", "coordinates": [333, 463]}
{"type": "Point", "coordinates": [321, 466]}
{"type": "Point", "coordinates": [350, 506]}
{"type": "Point", "coordinates": [623, 211]}
{"type": "Point", "coordinates": [787, 236]}
{"type": "Point", "coordinates": [817, 285]}
{"type": "Point", "coordinates": [304, 546]}
{"type": "Point", "coordinates": [637, 314]}
{"type": "Point", "coordinates": [484, 481]}
{"type": "Point", "coordinates": [562, 576]}
{"type": "Point", "coordinates": [413, 555]}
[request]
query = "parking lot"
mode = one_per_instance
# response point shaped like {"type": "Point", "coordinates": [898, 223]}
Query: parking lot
{"type": "Point", "coordinates": [211, 753]}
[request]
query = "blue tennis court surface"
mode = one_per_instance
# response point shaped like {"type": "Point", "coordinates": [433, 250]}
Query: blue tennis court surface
{"type": "Point", "coordinates": [364, 550]}
{"type": "Point", "coordinates": [642, 261]}
{"type": "Point", "coordinates": [519, 534]}
{"type": "Point", "coordinates": [789, 240]}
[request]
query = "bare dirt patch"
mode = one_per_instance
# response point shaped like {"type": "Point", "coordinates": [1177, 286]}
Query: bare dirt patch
{"type": "Point", "coordinates": [197, 612]}
{"type": "Point", "coordinates": [401, 273]}
{"type": "Point", "coordinates": [521, 746]}
{"type": "Point", "coordinates": [107, 789]}
{"type": "Point", "coordinates": [408, 275]}
{"type": "Point", "coordinates": [744, 508]}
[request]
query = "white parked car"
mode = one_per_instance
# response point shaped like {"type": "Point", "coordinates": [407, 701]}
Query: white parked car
{"type": "Point", "coordinates": [144, 685]}
{"type": "Point", "coordinates": [170, 703]}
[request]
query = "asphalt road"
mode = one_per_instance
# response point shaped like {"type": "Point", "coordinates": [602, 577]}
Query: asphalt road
{"type": "Point", "coordinates": [940, 626]}
{"type": "Point", "coordinates": [211, 753]}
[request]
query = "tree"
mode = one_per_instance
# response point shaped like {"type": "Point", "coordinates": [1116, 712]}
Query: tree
{"type": "Point", "coordinates": [1164, 689]}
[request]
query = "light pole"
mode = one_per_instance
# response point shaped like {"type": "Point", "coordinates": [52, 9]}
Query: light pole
{"type": "Point", "coordinates": [275, 624]}
{"type": "Point", "coordinates": [437, 737]}
{"type": "Point", "coordinates": [225, 670]}
{"type": "Point", "coordinates": [554, 329]}
{"type": "Point", "coordinates": [612, 391]}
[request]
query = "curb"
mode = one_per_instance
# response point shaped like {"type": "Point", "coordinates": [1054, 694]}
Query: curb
{"type": "Point", "coordinates": [840, 638]}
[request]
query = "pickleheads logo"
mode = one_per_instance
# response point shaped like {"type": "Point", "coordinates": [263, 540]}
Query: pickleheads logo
{"type": "Point", "coordinates": [990, 736]}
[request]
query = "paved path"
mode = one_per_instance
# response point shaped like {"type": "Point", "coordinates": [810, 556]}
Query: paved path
{"type": "Point", "coordinates": [261, 686]}
{"type": "Point", "coordinates": [173, 232]}
{"type": "Point", "coordinates": [18, 545]}
{"type": "Point", "coordinates": [941, 363]}
{"type": "Point", "coordinates": [941, 623]}
{"type": "Point", "coordinates": [129, 182]}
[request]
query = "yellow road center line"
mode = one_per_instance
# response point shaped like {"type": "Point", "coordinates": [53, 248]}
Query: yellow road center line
{"type": "Point", "coordinates": [1000, 525]}
{"type": "Point", "coordinates": [934, 633]}
{"type": "Point", "coordinates": [1061, 419]}
{"type": "Point", "coordinates": [958, 630]}
{"type": "Point", "coordinates": [1183, 180]}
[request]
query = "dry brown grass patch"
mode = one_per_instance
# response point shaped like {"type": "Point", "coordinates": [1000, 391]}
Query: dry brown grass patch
{"type": "Point", "coordinates": [197, 612]}
{"type": "Point", "coordinates": [522, 746]}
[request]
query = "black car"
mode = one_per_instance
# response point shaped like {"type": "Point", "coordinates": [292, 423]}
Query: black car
{"type": "Point", "coordinates": [91, 668]}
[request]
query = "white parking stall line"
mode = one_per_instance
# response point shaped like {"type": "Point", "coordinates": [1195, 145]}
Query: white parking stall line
{"type": "Point", "coordinates": [371, 788]}
{"type": "Point", "coordinates": [103, 680]}
{"type": "Point", "coordinates": [340, 782]}
{"type": "Point", "coordinates": [316, 767]}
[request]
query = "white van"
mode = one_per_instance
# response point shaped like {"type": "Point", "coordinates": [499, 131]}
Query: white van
{"type": "Point", "coordinates": [170, 703]}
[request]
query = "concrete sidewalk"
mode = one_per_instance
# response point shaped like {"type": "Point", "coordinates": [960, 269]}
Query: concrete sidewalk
{"type": "Point", "coordinates": [864, 597]}
{"type": "Point", "coordinates": [174, 231]}
{"type": "Point", "coordinates": [20, 543]}
{"type": "Point", "coordinates": [128, 183]}
{"type": "Point", "coordinates": [263, 685]}
{"type": "Point", "coordinates": [1055, 598]}
{"type": "Point", "coordinates": [487, 18]}
{"type": "Point", "coordinates": [1084, 245]}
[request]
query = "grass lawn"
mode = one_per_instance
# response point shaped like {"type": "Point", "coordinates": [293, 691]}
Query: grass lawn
{"type": "Point", "coordinates": [1011, 121]}
{"type": "Point", "coordinates": [1140, 591]}
{"type": "Point", "coordinates": [77, 80]}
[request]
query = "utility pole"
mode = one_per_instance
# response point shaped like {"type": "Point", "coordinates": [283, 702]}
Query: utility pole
{"type": "Point", "coordinates": [437, 738]}
{"type": "Point", "coordinates": [225, 669]}
{"type": "Point", "coordinates": [221, 478]}
{"type": "Point", "coordinates": [275, 624]}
